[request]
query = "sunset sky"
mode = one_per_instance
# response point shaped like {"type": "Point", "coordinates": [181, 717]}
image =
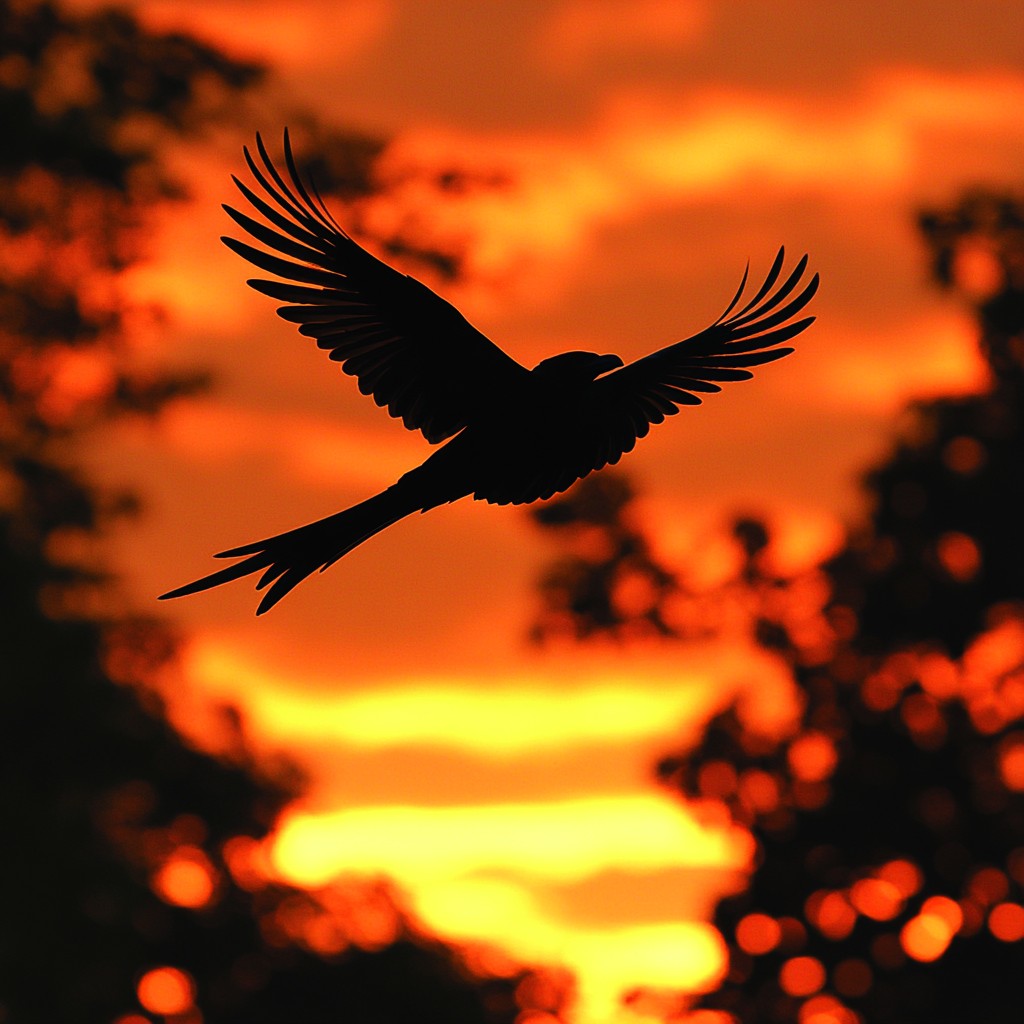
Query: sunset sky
{"type": "Point", "coordinates": [652, 147]}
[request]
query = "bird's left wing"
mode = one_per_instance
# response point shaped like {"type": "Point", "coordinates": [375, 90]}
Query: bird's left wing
{"type": "Point", "coordinates": [409, 349]}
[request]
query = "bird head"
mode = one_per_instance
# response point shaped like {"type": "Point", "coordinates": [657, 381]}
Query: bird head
{"type": "Point", "coordinates": [569, 367]}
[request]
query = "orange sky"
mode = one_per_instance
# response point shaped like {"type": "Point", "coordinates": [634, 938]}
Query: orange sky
{"type": "Point", "coordinates": [653, 147]}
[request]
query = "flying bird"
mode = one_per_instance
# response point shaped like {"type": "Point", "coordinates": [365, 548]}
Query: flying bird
{"type": "Point", "coordinates": [513, 435]}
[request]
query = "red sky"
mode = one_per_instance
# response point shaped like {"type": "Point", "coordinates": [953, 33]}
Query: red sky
{"type": "Point", "coordinates": [653, 146]}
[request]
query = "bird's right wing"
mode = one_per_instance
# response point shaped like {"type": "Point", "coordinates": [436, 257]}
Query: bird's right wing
{"type": "Point", "coordinates": [626, 402]}
{"type": "Point", "coordinates": [410, 349]}
{"type": "Point", "coordinates": [621, 406]}
{"type": "Point", "coordinates": [646, 391]}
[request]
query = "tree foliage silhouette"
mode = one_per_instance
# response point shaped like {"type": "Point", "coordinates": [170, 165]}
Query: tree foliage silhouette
{"type": "Point", "coordinates": [131, 860]}
{"type": "Point", "coordinates": [888, 880]}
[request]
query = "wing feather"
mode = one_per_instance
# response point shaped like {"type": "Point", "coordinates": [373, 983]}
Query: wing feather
{"type": "Point", "coordinates": [408, 348]}
{"type": "Point", "coordinates": [752, 336]}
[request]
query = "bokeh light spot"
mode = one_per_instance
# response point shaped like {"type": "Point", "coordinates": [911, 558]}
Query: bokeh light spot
{"type": "Point", "coordinates": [1006, 922]}
{"type": "Point", "coordinates": [925, 937]}
{"type": "Point", "coordinates": [923, 718]}
{"type": "Point", "coordinates": [247, 861]}
{"type": "Point", "coordinates": [938, 675]}
{"type": "Point", "coordinates": [166, 990]}
{"type": "Point", "coordinates": [988, 886]}
{"type": "Point", "coordinates": [831, 914]}
{"type": "Point", "coordinates": [802, 976]}
{"type": "Point", "coordinates": [973, 917]}
{"type": "Point", "coordinates": [717, 779]}
{"type": "Point", "coordinates": [964, 455]}
{"type": "Point", "coordinates": [959, 555]}
{"type": "Point", "coordinates": [759, 790]}
{"type": "Point", "coordinates": [1011, 761]}
{"type": "Point", "coordinates": [880, 691]}
{"type": "Point", "coordinates": [946, 910]}
{"type": "Point", "coordinates": [825, 1009]}
{"type": "Point", "coordinates": [758, 933]}
{"type": "Point", "coordinates": [905, 875]}
{"type": "Point", "coordinates": [812, 757]}
{"type": "Point", "coordinates": [710, 1017]}
{"type": "Point", "coordinates": [186, 878]}
{"type": "Point", "coordinates": [876, 898]}
{"type": "Point", "coordinates": [977, 270]}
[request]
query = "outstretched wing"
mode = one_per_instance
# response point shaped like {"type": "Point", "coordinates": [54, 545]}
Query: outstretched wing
{"type": "Point", "coordinates": [644, 392]}
{"type": "Point", "coordinates": [621, 406]}
{"type": "Point", "coordinates": [410, 349]}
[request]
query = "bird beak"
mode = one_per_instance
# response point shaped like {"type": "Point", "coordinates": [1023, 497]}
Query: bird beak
{"type": "Point", "coordinates": [607, 363]}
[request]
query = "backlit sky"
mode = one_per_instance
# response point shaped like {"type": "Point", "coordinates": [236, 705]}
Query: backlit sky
{"type": "Point", "coordinates": [653, 146]}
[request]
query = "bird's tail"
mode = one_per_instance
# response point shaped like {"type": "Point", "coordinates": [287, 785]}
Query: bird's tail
{"type": "Point", "coordinates": [287, 559]}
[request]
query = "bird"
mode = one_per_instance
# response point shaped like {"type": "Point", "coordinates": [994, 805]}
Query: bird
{"type": "Point", "coordinates": [507, 434]}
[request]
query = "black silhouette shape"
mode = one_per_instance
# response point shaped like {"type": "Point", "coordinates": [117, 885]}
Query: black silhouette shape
{"type": "Point", "coordinates": [517, 435]}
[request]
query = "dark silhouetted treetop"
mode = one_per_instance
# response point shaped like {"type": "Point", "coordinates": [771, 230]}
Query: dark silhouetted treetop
{"type": "Point", "coordinates": [609, 582]}
{"type": "Point", "coordinates": [516, 435]}
{"type": "Point", "coordinates": [888, 878]}
{"type": "Point", "coordinates": [943, 541]}
{"type": "Point", "coordinates": [129, 856]}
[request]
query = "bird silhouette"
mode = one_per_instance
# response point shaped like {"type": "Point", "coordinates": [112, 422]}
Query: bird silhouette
{"type": "Point", "coordinates": [513, 435]}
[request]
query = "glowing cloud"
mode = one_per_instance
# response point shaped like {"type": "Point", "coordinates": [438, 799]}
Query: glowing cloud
{"type": "Point", "coordinates": [316, 451]}
{"type": "Point", "coordinates": [585, 30]}
{"type": "Point", "coordinates": [468, 873]}
{"type": "Point", "coordinates": [854, 369]}
{"type": "Point", "coordinates": [514, 715]}
{"type": "Point", "coordinates": [561, 840]}
{"type": "Point", "coordinates": [288, 34]}
{"type": "Point", "coordinates": [647, 150]}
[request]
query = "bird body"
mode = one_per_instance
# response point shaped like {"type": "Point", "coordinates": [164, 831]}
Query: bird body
{"type": "Point", "coordinates": [512, 435]}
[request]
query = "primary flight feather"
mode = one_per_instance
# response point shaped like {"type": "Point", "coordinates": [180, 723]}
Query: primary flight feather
{"type": "Point", "coordinates": [513, 435]}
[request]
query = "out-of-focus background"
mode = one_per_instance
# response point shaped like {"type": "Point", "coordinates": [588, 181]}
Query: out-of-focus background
{"type": "Point", "coordinates": [731, 732]}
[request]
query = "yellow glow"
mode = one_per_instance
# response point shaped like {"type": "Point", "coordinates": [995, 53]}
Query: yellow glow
{"type": "Point", "coordinates": [560, 840]}
{"type": "Point", "coordinates": [685, 955]}
{"type": "Point", "coordinates": [470, 874]}
{"type": "Point", "coordinates": [508, 718]}
{"type": "Point", "coordinates": [607, 961]}
{"type": "Point", "coordinates": [509, 874]}
{"type": "Point", "coordinates": [493, 725]}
